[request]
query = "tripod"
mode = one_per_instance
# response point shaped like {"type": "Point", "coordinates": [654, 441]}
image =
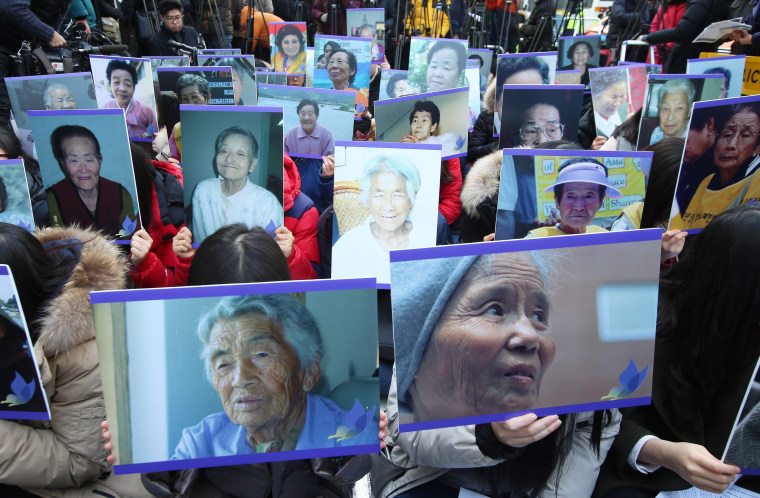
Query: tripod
{"type": "Point", "coordinates": [332, 16]}
{"type": "Point", "coordinates": [505, 16]}
{"type": "Point", "coordinates": [543, 25]}
{"type": "Point", "coordinates": [573, 11]}
{"type": "Point", "coordinates": [302, 13]}
{"type": "Point", "coordinates": [475, 24]}
{"type": "Point", "coordinates": [400, 32]}
{"type": "Point", "coordinates": [215, 19]}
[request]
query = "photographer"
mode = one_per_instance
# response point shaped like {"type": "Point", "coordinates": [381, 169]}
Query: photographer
{"type": "Point", "coordinates": [172, 28]}
{"type": "Point", "coordinates": [34, 20]}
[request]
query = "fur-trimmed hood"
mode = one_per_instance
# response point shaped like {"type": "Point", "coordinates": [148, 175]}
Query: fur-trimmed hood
{"type": "Point", "coordinates": [67, 319]}
{"type": "Point", "coordinates": [482, 181]}
{"type": "Point", "coordinates": [489, 96]}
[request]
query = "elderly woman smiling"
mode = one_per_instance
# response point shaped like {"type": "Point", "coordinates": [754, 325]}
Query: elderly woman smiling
{"type": "Point", "coordinates": [232, 197]}
{"type": "Point", "coordinates": [291, 53]}
{"type": "Point", "coordinates": [122, 78]}
{"type": "Point", "coordinates": [310, 138]}
{"type": "Point", "coordinates": [446, 64]}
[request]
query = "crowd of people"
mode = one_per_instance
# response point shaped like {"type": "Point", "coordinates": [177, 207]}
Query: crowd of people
{"type": "Point", "coordinates": [708, 318]}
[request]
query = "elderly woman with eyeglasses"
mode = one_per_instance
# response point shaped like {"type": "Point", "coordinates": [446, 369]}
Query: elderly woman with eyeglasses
{"type": "Point", "coordinates": [541, 123]}
{"type": "Point", "coordinates": [735, 156]}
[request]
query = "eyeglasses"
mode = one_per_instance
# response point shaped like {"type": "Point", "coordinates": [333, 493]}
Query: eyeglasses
{"type": "Point", "coordinates": [194, 98]}
{"type": "Point", "coordinates": [552, 131]}
{"type": "Point", "coordinates": [744, 136]}
{"type": "Point", "coordinates": [173, 18]}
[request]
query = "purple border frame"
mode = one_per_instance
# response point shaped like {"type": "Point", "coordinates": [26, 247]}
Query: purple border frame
{"type": "Point", "coordinates": [134, 468]}
{"type": "Point", "coordinates": [750, 472]}
{"type": "Point", "coordinates": [228, 108]}
{"type": "Point", "coordinates": [722, 58]}
{"type": "Point", "coordinates": [544, 87]}
{"type": "Point", "coordinates": [48, 76]}
{"type": "Point", "coordinates": [387, 145]}
{"type": "Point", "coordinates": [681, 76]}
{"type": "Point", "coordinates": [307, 156]}
{"type": "Point", "coordinates": [4, 270]}
{"type": "Point", "coordinates": [436, 40]}
{"type": "Point", "coordinates": [541, 412]}
{"type": "Point", "coordinates": [131, 59]}
{"type": "Point", "coordinates": [418, 96]}
{"type": "Point", "coordinates": [579, 153]}
{"type": "Point", "coordinates": [380, 9]}
{"type": "Point", "coordinates": [579, 37]}
{"type": "Point", "coordinates": [76, 112]}
{"type": "Point", "coordinates": [9, 162]}
{"type": "Point", "coordinates": [527, 54]}
{"type": "Point", "coordinates": [207, 51]}
{"type": "Point", "coordinates": [192, 69]}
{"type": "Point", "coordinates": [9, 415]}
{"type": "Point", "coordinates": [519, 245]}
{"type": "Point", "coordinates": [328, 91]}
{"type": "Point", "coordinates": [480, 50]}
{"type": "Point", "coordinates": [168, 57]}
{"type": "Point", "coordinates": [723, 102]}
{"type": "Point", "coordinates": [230, 56]}
{"type": "Point", "coordinates": [170, 293]}
{"type": "Point", "coordinates": [336, 37]}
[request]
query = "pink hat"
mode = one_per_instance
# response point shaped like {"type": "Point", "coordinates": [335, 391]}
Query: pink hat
{"type": "Point", "coordinates": [586, 172]}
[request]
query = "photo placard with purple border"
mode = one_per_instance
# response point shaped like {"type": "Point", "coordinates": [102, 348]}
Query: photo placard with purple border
{"type": "Point", "coordinates": [553, 111]}
{"type": "Point", "coordinates": [584, 339]}
{"type": "Point", "coordinates": [484, 57]}
{"type": "Point", "coordinates": [672, 95]}
{"type": "Point", "coordinates": [188, 410]}
{"type": "Point", "coordinates": [386, 197]}
{"type": "Point", "coordinates": [243, 90]}
{"type": "Point", "coordinates": [100, 169]}
{"type": "Point", "coordinates": [16, 206]}
{"type": "Point", "coordinates": [718, 170]}
{"type": "Point", "coordinates": [219, 80]}
{"type": "Point", "coordinates": [332, 119]}
{"type": "Point", "coordinates": [579, 52]}
{"type": "Point", "coordinates": [21, 394]}
{"type": "Point", "coordinates": [287, 41]}
{"type": "Point", "coordinates": [220, 51]}
{"type": "Point", "coordinates": [742, 446]}
{"type": "Point", "coordinates": [168, 61]}
{"type": "Point", "coordinates": [731, 68]}
{"type": "Point", "coordinates": [472, 76]}
{"type": "Point", "coordinates": [273, 78]}
{"type": "Point", "coordinates": [368, 23]}
{"type": "Point", "coordinates": [127, 83]}
{"type": "Point", "coordinates": [437, 64]}
{"type": "Point", "coordinates": [343, 76]}
{"type": "Point", "coordinates": [524, 204]}
{"type": "Point", "coordinates": [395, 83]}
{"type": "Point", "coordinates": [610, 98]}
{"type": "Point", "coordinates": [232, 166]}
{"type": "Point", "coordinates": [427, 118]}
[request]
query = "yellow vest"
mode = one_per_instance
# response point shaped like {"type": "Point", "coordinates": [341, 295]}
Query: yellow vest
{"type": "Point", "coordinates": [707, 204]}
{"type": "Point", "coordinates": [552, 231]}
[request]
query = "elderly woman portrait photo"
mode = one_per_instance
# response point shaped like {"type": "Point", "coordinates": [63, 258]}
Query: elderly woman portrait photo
{"type": "Point", "coordinates": [446, 62]}
{"type": "Point", "coordinates": [609, 96]}
{"type": "Point", "coordinates": [388, 189]}
{"type": "Point", "coordinates": [309, 138]}
{"type": "Point", "coordinates": [84, 197]}
{"type": "Point", "coordinates": [122, 79]}
{"type": "Point", "coordinates": [674, 100]}
{"type": "Point", "coordinates": [290, 53]}
{"type": "Point", "coordinates": [539, 114]}
{"type": "Point", "coordinates": [326, 51]}
{"type": "Point", "coordinates": [231, 196]}
{"type": "Point", "coordinates": [582, 54]}
{"type": "Point", "coordinates": [532, 70]}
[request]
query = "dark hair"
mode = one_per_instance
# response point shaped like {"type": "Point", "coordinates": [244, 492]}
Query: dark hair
{"type": "Point", "coordinates": [306, 102]}
{"type": "Point", "coordinates": [351, 61]}
{"type": "Point", "coordinates": [476, 57]}
{"type": "Point", "coordinates": [11, 144]}
{"type": "Point", "coordinates": [708, 318]}
{"type": "Point", "coordinates": [236, 254]}
{"type": "Point", "coordinates": [663, 176]}
{"type": "Point", "coordinates": [458, 49]}
{"type": "Point", "coordinates": [234, 130]}
{"type": "Point", "coordinates": [288, 30]}
{"type": "Point", "coordinates": [390, 87]}
{"type": "Point", "coordinates": [332, 44]}
{"type": "Point", "coordinates": [572, 48]}
{"type": "Point", "coordinates": [510, 66]}
{"type": "Point", "coordinates": [189, 79]}
{"type": "Point", "coordinates": [426, 106]}
{"type": "Point", "coordinates": [120, 64]}
{"type": "Point", "coordinates": [559, 189]}
{"type": "Point", "coordinates": [3, 196]}
{"type": "Point", "coordinates": [70, 131]}
{"type": "Point", "coordinates": [168, 110]}
{"type": "Point", "coordinates": [721, 70]}
{"type": "Point", "coordinates": [167, 5]}
{"type": "Point", "coordinates": [629, 129]}
{"type": "Point", "coordinates": [144, 175]}
{"type": "Point", "coordinates": [37, 274]}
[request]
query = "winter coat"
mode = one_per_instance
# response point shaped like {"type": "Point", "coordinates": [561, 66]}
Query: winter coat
{"type": "Point", "coordinates": [301, 218]}
{"type": "Point", "coordinates": [480, 195]}
{"type": "Point", "coordinates": [449, 204]}
{"type": "Point", "coordinates": [622, 15]}
{"type": "Point", "coordinates": [482, 142]}
{"type": "Point", "coordinates": [670, 19]}
{"type": "Point", "coordinates": [65, 456]}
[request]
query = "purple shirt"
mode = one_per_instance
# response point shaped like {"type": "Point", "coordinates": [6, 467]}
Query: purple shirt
{"type": "Point", "coordinates": [139, 118]}
{"type": "Point", "coordinates": [319, 143]}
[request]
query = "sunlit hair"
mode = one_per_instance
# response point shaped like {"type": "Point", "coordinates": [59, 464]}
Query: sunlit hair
{"type": "Point", "coordinates": [675, 86]}
{"type": "Point", "coordinates": [398, 165]}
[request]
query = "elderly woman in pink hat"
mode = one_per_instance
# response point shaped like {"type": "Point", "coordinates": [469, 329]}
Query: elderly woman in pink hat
{"type": "Point", "coordinates": [579, 192]}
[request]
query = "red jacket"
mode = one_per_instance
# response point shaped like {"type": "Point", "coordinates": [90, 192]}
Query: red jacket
{"type": "Point", "coordinates": [300, 218]}
{"type": "Point", "coordinates": [449, 203]}
{"type": "Point", "coordinates": [671, 18]}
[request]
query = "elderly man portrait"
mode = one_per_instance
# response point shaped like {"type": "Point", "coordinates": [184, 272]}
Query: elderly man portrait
{"type": "Point", "coordinates": [262, 355]}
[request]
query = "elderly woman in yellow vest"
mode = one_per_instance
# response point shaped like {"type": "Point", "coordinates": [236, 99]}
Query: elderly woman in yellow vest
{"type": "Point", "coordinates": [429, 21]}
{"type": "Point", "coordinates": [579, 193]}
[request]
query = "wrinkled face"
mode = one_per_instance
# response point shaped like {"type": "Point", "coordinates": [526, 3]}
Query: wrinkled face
{"type": "Point", "coordinates": [235, 160]}
{"type": "Point", "coordinates": [492, 344]}
{"type": "Point", "coordinates": [339, 70]}
{"type": "Point", "coordinates": [172, 20]}
{"type": "Point", "coordinates": [738, 141]}
{"type": "Point", "coordinates": [61, 98]}
{"type": "Point", "coordinates": [401, 88]}
{"type": "Point", "coordinates": [308, 117]}
{"type": "Point", "coordinates": [291, 45]}
{"type": "Point", "coordinates": [674, 114]}
{"type": "Point", "coordinates": [122, 86]}
{"type": "Point", "coordinates": [579, 204]}
{"type": "Point", "coordinates": [525, 77]}
{"type": "Point", "coordinates": [192, 95]}
{"type": "Point", "coordinates": [237, 85]}
{"type": "Point", "coordinates": [610, 100]}
{"type": "Point", "coordinates": [296, 80]}
{"type": "Point", "coordinates": [545, 119]}
{"type": "Point", "coordinates": [581, 55]}
{"type": "Point", "coordinates": [443, 71]}
{"type": "Point", "coordinates": [422, 125]}
{"type": "Point", "coordinates": [389, 202]}
{"type": "Point", "coordinates": [81, 162]}
{"type": "Point", "coordinates": [255, 371]}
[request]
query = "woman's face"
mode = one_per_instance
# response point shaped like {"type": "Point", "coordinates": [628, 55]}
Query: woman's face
{"type": "Point", "coordinates": [581, 55]}
{"type": "Point", "coordinates": [610, 100]}
{"type": "Point", "coordinates": [122, 86]}
{"type": "Point", "coordinates": [328, 51]}
{"type": "Point", "coordinates": [730, 150]}
{"type": "Point", "coordinates": [443, 71]}
{"type": "Point", "coordinates": [545, 122]}
{"type": "Point", "coordinates": [579, 203]}
{"type": "Point", "coordinates": [389, 202]}
{"type": "Point", "coordinates": [492, 344]}
{"type": "Point", "coordinates": [339, 70]}
{"type": "Point", "coordinates": [525, 77]}
{"type": "Point", "coordinates": [401, 88]}
{"type": "Point", "coordinates": [235, 160]}
{"type": "Point", "coordinates": [308, 117]}
{"type": "Point", "coordinates": [674, 114]}
{"type": "Point", "coordinates": [291, 45]}
{"type": "Point", "coordinates": [81, 162]}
